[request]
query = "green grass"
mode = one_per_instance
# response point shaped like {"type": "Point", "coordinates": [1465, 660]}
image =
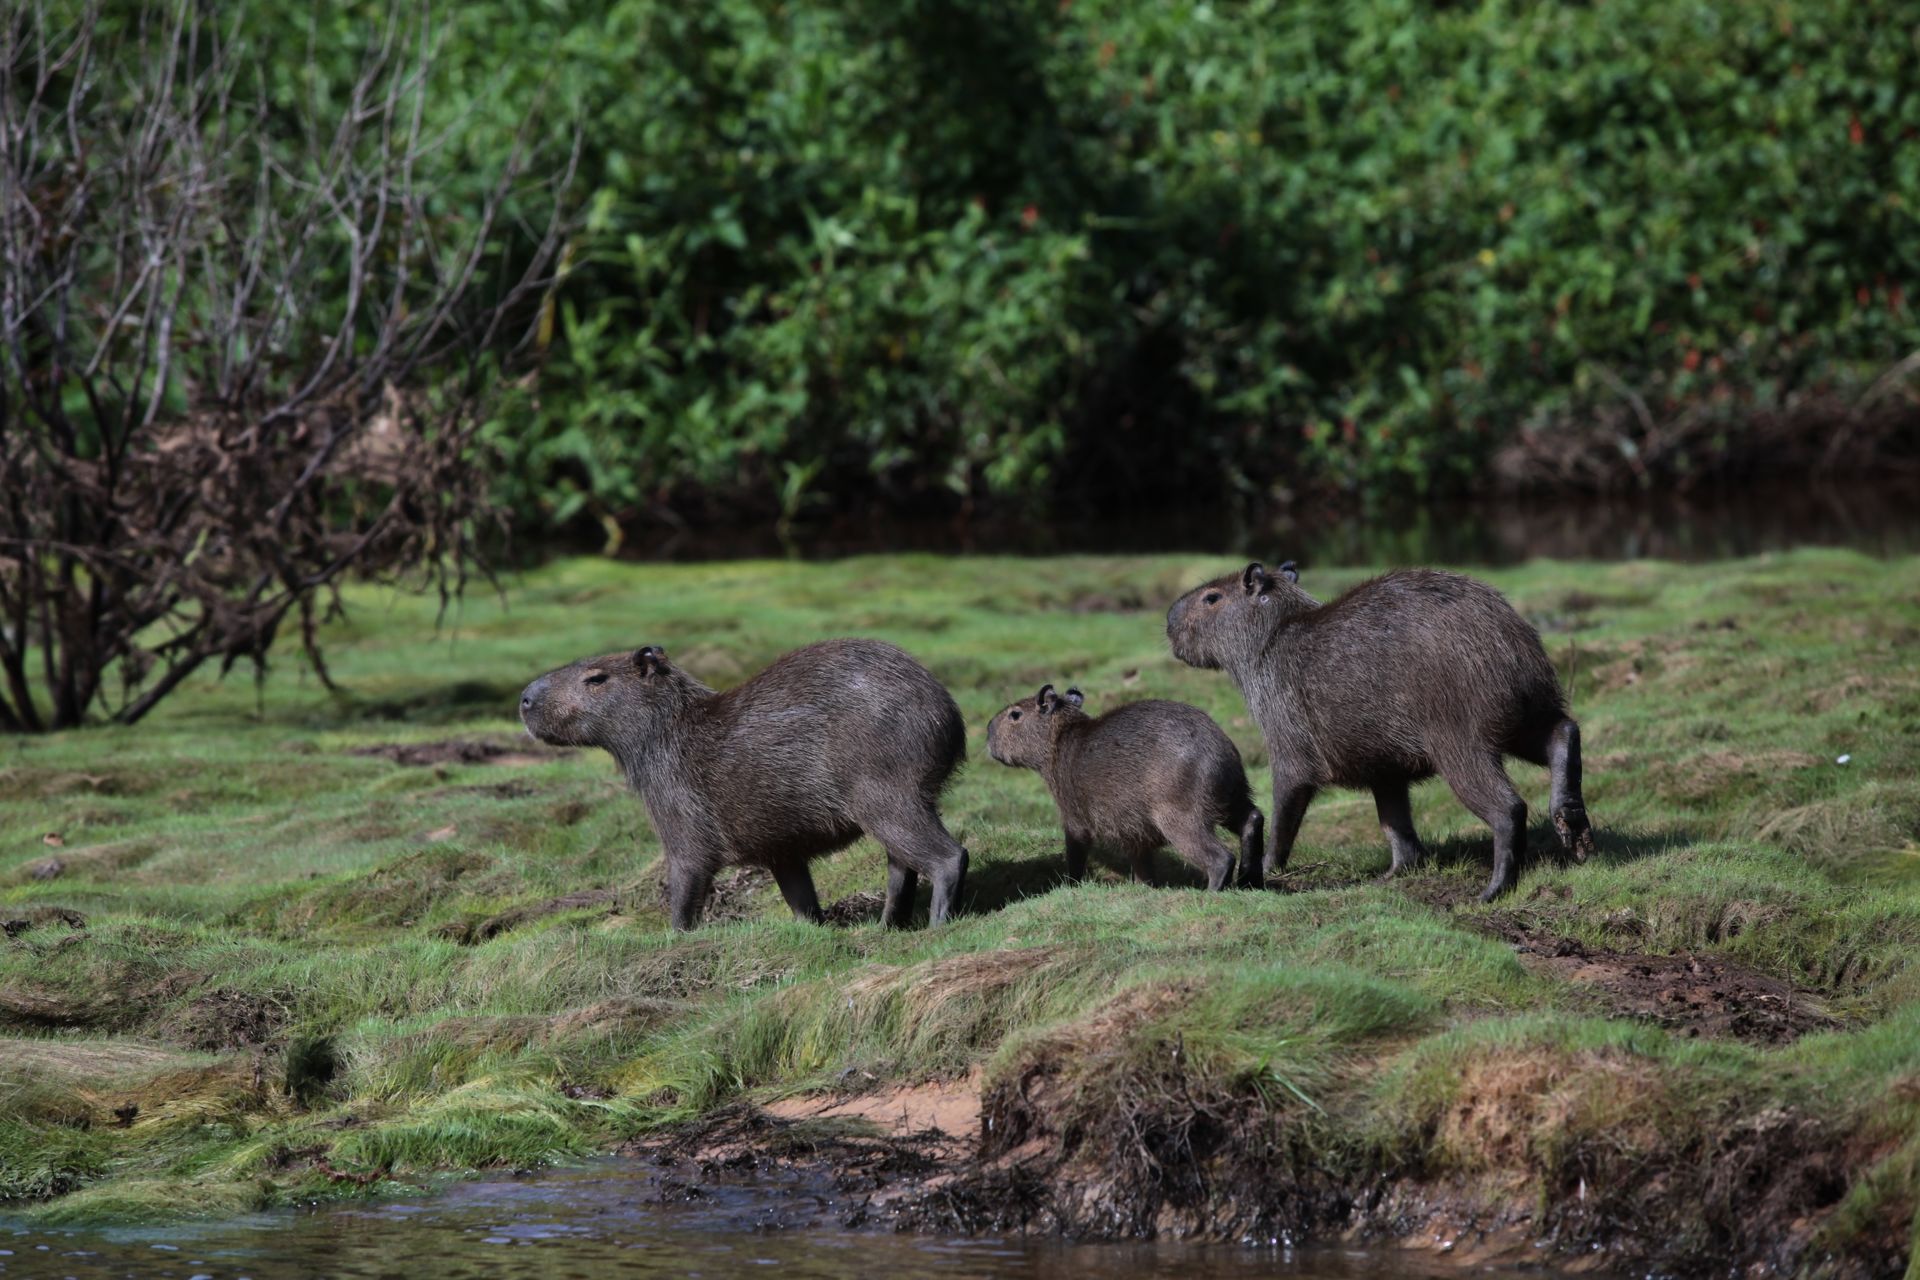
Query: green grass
{"type": "Point", "coordinates": [277, 967]}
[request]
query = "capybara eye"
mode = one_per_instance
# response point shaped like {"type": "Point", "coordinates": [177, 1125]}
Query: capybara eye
{"type": "Point", "coordinates": [598, 677]}
{"type": "Point", "coordinates": [1013, 715]}
{"type": "Point", "coordinates": [1212, 597]}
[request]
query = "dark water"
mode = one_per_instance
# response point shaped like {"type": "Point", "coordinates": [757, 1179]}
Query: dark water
{"type": "Point", "coordinates": [1877, 518]}
{"type": "Point", "coordinates": [614, 1218]}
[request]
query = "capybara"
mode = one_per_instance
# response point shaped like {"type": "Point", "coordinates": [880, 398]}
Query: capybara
{"type": "Point", "coordinates": [833, 740]}
{"type": "Point", "coordinates": [1410, 674]}
{"type": "Point", "coordinates": [1144, 775]}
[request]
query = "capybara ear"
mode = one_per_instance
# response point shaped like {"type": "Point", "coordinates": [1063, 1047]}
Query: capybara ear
{"type": "Point", "coordinates": [1047, 700]}
{"type": "Point", "coordinates": [1255, 578]}
{"type": "Point", "coordinates": [1288, 572]}
{"type": "Point", "coordinates": [1076, 697]}
{"type": "Point", "coordinates": [651, 660]}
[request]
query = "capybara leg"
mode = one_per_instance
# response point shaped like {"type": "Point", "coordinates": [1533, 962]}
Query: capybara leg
{"type": "Point", "coordinates": [687, 895]}
{"type": "Point", "coordinates": [1140, 866]}
{"type": "Point", "coordinates": [1193, 840]}
{"type": "Point", "coordinates": [1290, 801]}
{"type": "Point", "coordinates": [1568, 806]}
{"type": "Point", "coordinates": [902, 883]}
{"type": "Point", "coordinates": [1078, 846]}
{"type": "Point", "coordinates": [1396, 823]}
{"type": "Point", "coordinates": [949, 881]}
{"type": "Point", "coordinates": [1484, 788]}
{"type": "Point", "coordinates": [796, 886]}
{"type": "Point", "coordinates": [1253, 840]}
{"type": "Point", "coordinates": [921, 841]}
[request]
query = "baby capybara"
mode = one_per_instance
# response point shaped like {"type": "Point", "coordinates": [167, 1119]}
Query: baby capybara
{"type": "Point", "coordinates": [1144, 775]}
{"type": "Point", "coordinates": [834, 740]}
{"type": "Point", "coordinates": [1413, 673]}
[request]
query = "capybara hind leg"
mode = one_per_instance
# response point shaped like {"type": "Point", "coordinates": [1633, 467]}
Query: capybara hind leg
{"type": "Point", "coordinates": [1253, 840]}
{"type": "Point", "coordinates": [921, 842]}
{"type": "Point", "coordinates": [687, 895]}
{"type": "Point", "coordinates": [1396, 823]}
{"type": "Point", "coordinates": [902, 883]}
{"type": "Point", "coordinates": [1078, 847]}
{"type": "Point", "coordinates": [1567, 805]}
{"type": "Point", "coordinates": [796, 886]}
{"type": "Point", "coordinates": [949, 882]}
{"type": "Point", "coordinates": [1290, 801]}
{"type": "Point", "coordinates": [1193, 840]}
{"type": "Point", "coordinates": [1484, 788]}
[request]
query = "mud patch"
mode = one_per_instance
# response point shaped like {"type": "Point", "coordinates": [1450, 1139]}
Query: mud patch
{"type": "Point", "coordinates": [226, 1018]}
{"type": "Point", "coordinates": [941, 1116]}
{"type": "Point", "coordinates": [1690, 995]}
{"type": "Point", "coordinates": [15, 921]}
{"type": "Point", "coordinates": [464, 751]}
{"type": "Point", "coordinates": [472, 932]}
{"type": "Point", "coordinates": [863, 907]}
{"type": "Point", "coordinates": [101, 861]}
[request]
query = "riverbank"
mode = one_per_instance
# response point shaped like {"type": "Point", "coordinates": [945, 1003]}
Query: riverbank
{"type": "Point", "coordinates": [337, 947]}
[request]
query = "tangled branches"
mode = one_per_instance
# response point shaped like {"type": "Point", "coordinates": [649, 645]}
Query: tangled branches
{"type": "Point", "coordinates": [216, 334]}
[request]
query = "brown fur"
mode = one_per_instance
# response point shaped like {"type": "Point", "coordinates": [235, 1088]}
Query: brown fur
{"type": "Point", "coordinates": [1144, 775]}
{"type": "Point", "coordinates": [1413, 673]}
{"type": "Point", "coordinates": [840, 738]}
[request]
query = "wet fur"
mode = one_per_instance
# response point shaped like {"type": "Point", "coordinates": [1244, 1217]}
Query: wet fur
{"type": "Point", "coordinates": [832, 741]}
{"type": "Point", "coordinates": [1143, 776]}
{"type": "Point", "coordinates": [1408, 675]}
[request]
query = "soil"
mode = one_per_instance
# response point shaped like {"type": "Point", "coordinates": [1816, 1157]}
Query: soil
{"type": "Point", "coordinates": [463, 751]}
{"type": "Point", "coordinates": [471, 931]}
{"type": "Point", "coordinates": [927, 1157]}
{"type": "Point", "coordinates": [1689, 994]}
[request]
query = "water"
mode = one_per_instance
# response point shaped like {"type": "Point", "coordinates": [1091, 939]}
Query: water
{"type": "Point", "coordinates": [617, 1218]}
{"type": "Point", "coordinates": [1878, 518]}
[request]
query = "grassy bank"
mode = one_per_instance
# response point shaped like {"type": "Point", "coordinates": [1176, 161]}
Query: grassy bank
{"type": "Point", "coordinates": [250, 962]}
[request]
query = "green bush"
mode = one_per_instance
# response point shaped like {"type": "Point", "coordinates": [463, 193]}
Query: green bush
{"type": "Point", "coordinates": [1004, 248]}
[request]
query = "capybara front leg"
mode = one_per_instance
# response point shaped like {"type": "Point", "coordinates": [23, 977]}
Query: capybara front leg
{"type": "Point", "coordinates": [1568, 806]}
{"type": "Point", "coordinates": [687, 895]}
{"type": "Point", "coordinates": [1395, 811]}
{"type": "Point", "coordinates": [796, 886]}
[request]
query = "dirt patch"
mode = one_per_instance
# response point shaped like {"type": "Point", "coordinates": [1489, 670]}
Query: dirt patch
{"type": "Point", "coordinates": [225, 1018]}
{"type": "Point", "coordinates": [477, 931]}
{"type": "Point", "coordinates": [463, 751]}
{"type": "Point", "coordinates": [15, 921]}
{"type": "Point", "coordinates": [863, 907]}
{"type": "Point", "coordinates": [101, 861]}
{"type": "Point", "coordinates": [941, 1116]}
{"type": "Point", "coordinates": [1691, 995]}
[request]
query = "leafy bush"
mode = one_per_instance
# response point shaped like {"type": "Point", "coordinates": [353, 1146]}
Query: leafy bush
{"type": "Point", "coordinates": [1016, 246]}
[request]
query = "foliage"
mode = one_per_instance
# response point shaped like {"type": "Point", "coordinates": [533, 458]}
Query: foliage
{"type": "Point", "coordinates": [1026, 248]}
{"type": "Point", "coordinates": [216, 327]}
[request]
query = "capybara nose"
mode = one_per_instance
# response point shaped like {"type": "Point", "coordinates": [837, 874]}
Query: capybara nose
{"type": "Point", "coordinates": [531, 692]}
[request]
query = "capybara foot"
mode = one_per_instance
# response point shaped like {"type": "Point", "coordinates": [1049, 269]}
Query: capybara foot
{"type": "Point", "coordinates": [1576, 835]}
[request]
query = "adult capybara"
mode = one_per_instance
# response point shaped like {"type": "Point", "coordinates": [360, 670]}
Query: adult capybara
{"type": "Point", "coordinates": [833, 740]}
{"type": "Point", "coordinates": [1144, 775]}
{"type": "Point", "coordinates": [1413, 673]}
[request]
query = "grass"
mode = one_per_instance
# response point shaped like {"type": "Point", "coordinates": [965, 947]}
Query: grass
{"type": "Point", "coordinates": [301, 966]}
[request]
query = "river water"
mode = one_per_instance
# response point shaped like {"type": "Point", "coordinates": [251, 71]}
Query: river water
{"type": "Point", "coordinates": [616, 1218]}
{"type": "Point", "coordinates": [1877, 517]}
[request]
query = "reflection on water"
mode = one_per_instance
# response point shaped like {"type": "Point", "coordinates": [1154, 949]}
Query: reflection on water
{"type": "Point", "coordinates": [1708, 525]}
{"type": "Point", "coordinates": [616, 1218]}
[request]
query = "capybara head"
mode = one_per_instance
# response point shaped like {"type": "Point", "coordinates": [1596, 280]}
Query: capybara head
{"type": "Point", "coordinates": [616, 701]}
{"type": "Point", "coordinates": [1023, 733]}
{"type": "Point", "coordinates": [1229, 620]}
